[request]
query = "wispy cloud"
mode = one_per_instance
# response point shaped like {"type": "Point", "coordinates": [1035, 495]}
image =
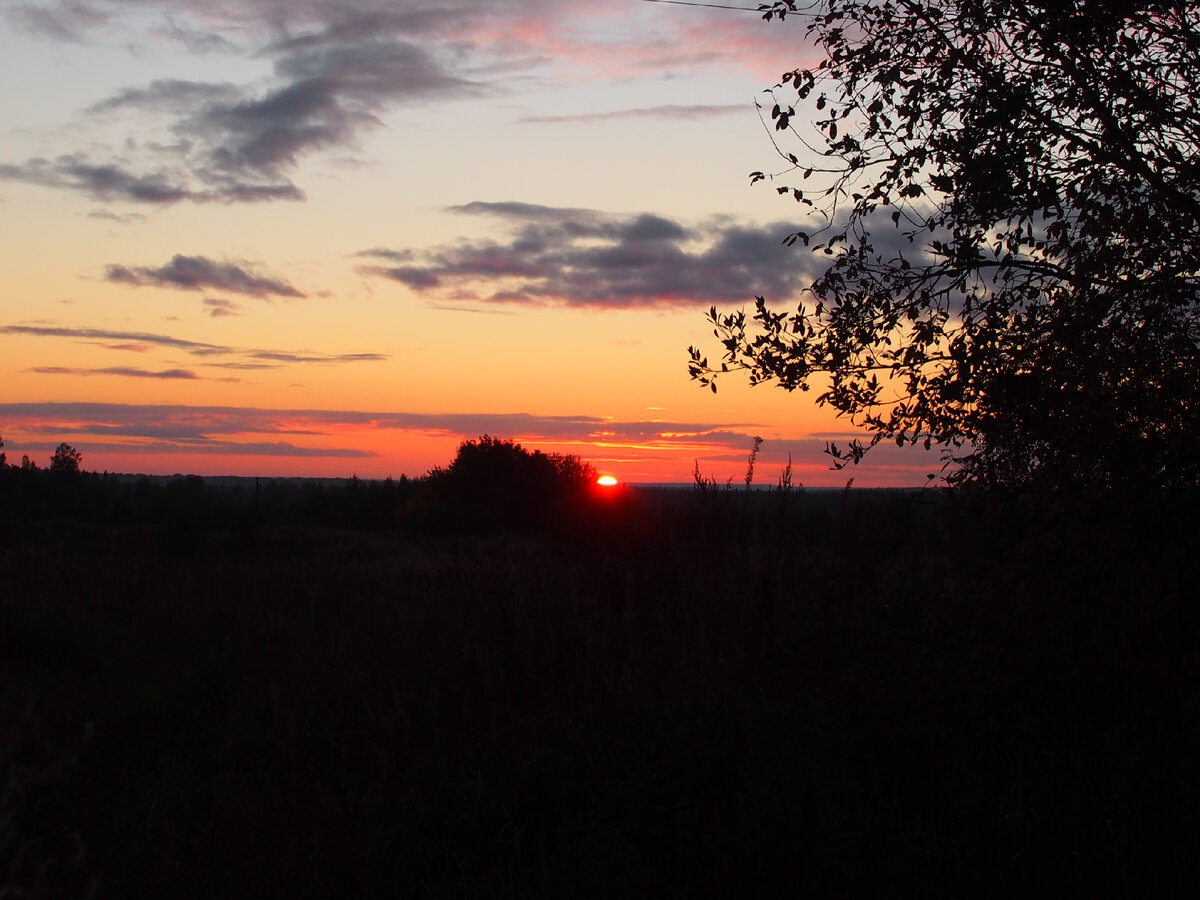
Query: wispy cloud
{"type": "Point", "coordinates": [192, 423]}
{"type": "Point", "coordinates": [329, 92]}
{"type": "Point", "coordinates": [195, 40]}
{"type": "Point", "coordinates": [157, 186]}
{"type": "Point", "coordinates": [218, 307]}
{"type": "Point", "coordinates": [657, 113]}
{"type": "Point", "coordinates": [110, 216]}
{"type": "Point", "coordinates": [132, 339]}
{"type": "Point", "coordinates": [587, 258]}
{"type": "Point", "coordinates": [291, 357]}
{"type": "Point", "coordinates": [129, 347]}
{"type": "Point", "coordinates": [125, 371]}
{"type": "Point", "coordinates": [243, 366]}
{"type": "Point", "coordinates": [103, 181]}
{"type": "Point", "coordinates": [264, 449]}
{"type": "Point", "coordinates": [721, 447]}
{"type": "Point", "coordinates": [338, 69]}
{"type": "Point", "coordinates": [67, 20]}
{"type": "Point", "coordinates": [198, 348]}
{"type": "Point", "coordinates": [195, 273]}
{"type": "Point", "coordinates": [237, 448]}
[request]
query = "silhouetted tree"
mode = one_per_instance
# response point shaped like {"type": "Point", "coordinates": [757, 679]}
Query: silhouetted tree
{"type": "Point", "coordinates": [3, 455]}
{"type": "Point", "coordinates": [497, 485]}
{"type": "Point", "coordinates": [66, 459]}
{"type": "Point", "coordinates": [1007, 205]}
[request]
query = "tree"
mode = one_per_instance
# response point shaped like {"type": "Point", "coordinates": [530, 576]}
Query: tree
{"type": "Point", "coordinates": [3, 456]}
{"type": "Point", "coordinates": [497, 485]}
{"type": "Point", "coordinates": [66, 459]}
{"type": "Point", "coordinates": [1006, 196]}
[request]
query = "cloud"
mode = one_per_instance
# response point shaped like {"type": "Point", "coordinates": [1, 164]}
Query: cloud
{"type": "Point", "coordinates": [218, 307]}
{"type": "Point", "coordinates": [250, 448]}
{"type": "Point", "coordinates": [656, 113]}
{"type": "Point", "coordinates": [194, 348]}
{"type": "Point", "coordinates": [586, 258]}
{"type": "Point", "coordinates": [329, 93]}
{"type": "Point", "coordinates": [198, 348]}
{"type": "Point", "coordinates": [67, 21]}
{"type": "Point", "coordinates": [196, 273]}
{"type": "Point", "coordinates": [108, 215]}
{"type": "Point", "coordinates": [196, 423]}
{"type": "Point", "coordinates": [287, 357]}
{"type": "Point", "coordinates": [339, 68]}
{"type": "Point", "coordinates": [271, 449]}
{"type": "Point", "coordinates": [196, 40]}
{"type": "Point", "coordinates": [129, 347]}
{"type": "Point", "coordinates": [336, 69]}
{"type": "Point", "coordinates": [172, 96]}
{"type": "Point", "coordinates": [126, 371]}
{"type": "Point", "coordinates": [101, 182]}
{"type": "Point", "coordinates": [244, 366]}
{"type": "Point", "coordinates": [157, 187]}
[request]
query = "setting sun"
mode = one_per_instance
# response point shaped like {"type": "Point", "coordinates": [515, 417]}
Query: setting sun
{"type": "Point", "coordinates": [606, 481]}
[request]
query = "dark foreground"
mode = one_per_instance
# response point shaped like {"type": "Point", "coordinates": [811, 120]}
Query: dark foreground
{"type": "Point", "coordinates": [867, 696]}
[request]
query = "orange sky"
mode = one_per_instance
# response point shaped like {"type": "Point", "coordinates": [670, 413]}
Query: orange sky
{"type": "Point", "coordinates": [330, 238]}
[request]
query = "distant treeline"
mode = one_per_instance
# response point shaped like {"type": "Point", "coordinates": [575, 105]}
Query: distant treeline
{"type": "Point", "coordinates": [491, 486]}
{"type": "Point", "coordinates": [116, 499]}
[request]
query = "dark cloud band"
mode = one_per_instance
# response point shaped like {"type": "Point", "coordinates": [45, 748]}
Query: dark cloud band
{"type": "Point", "coordinates": [196, 273]}
{"type": "Point", "coordinates": [193, 423]}
{"type": "Point", "coordinates": [124, 371]}
{"type": "Point", "coordinates": [137, 340]}
{"type": "Point", "coordinates": [587, 258]}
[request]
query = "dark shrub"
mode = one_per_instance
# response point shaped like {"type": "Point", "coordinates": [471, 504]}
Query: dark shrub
{"type": "Point", "coordinates": [495, 485]}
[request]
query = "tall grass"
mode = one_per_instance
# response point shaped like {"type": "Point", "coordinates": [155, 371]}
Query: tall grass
{"type": "Point", "coordinates": [714, 695]}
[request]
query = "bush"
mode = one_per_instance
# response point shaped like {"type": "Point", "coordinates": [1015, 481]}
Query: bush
{"type": "Point", "coordinates": [495, 485]}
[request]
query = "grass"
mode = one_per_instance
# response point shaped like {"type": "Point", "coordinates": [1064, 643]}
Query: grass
{"type": "Point", "coordinates": [861, 695]}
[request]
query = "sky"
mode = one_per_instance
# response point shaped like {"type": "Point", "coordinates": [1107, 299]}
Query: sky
{"type": "Point", "coordinates": [338, 237]}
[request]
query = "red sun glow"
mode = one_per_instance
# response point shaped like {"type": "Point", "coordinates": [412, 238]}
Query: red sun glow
{"type": "Point", "coordinates": [606, 481]}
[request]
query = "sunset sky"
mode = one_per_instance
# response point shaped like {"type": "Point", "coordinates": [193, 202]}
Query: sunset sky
{"type": "Point", "coordinates": [335, 237]}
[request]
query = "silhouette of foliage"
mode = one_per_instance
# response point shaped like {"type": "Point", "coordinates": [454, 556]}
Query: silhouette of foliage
{"type": "Point", "coordinates": [1006, 198]}
{"type": "Point", "coordinates": [3, 455]}
{"type": "Point", "coordinates": [66, 459]}
{"type": "Point", "coordinates": [495, 485]}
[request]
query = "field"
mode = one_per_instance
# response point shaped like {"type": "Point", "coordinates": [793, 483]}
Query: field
{"type": "Point", "coordinates": [706, 693]}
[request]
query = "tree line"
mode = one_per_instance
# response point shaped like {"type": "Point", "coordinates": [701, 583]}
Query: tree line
{"type": "Point", "coordinates": [492, 485]}
{"type": "Point", "coordinates": [64, 459]}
